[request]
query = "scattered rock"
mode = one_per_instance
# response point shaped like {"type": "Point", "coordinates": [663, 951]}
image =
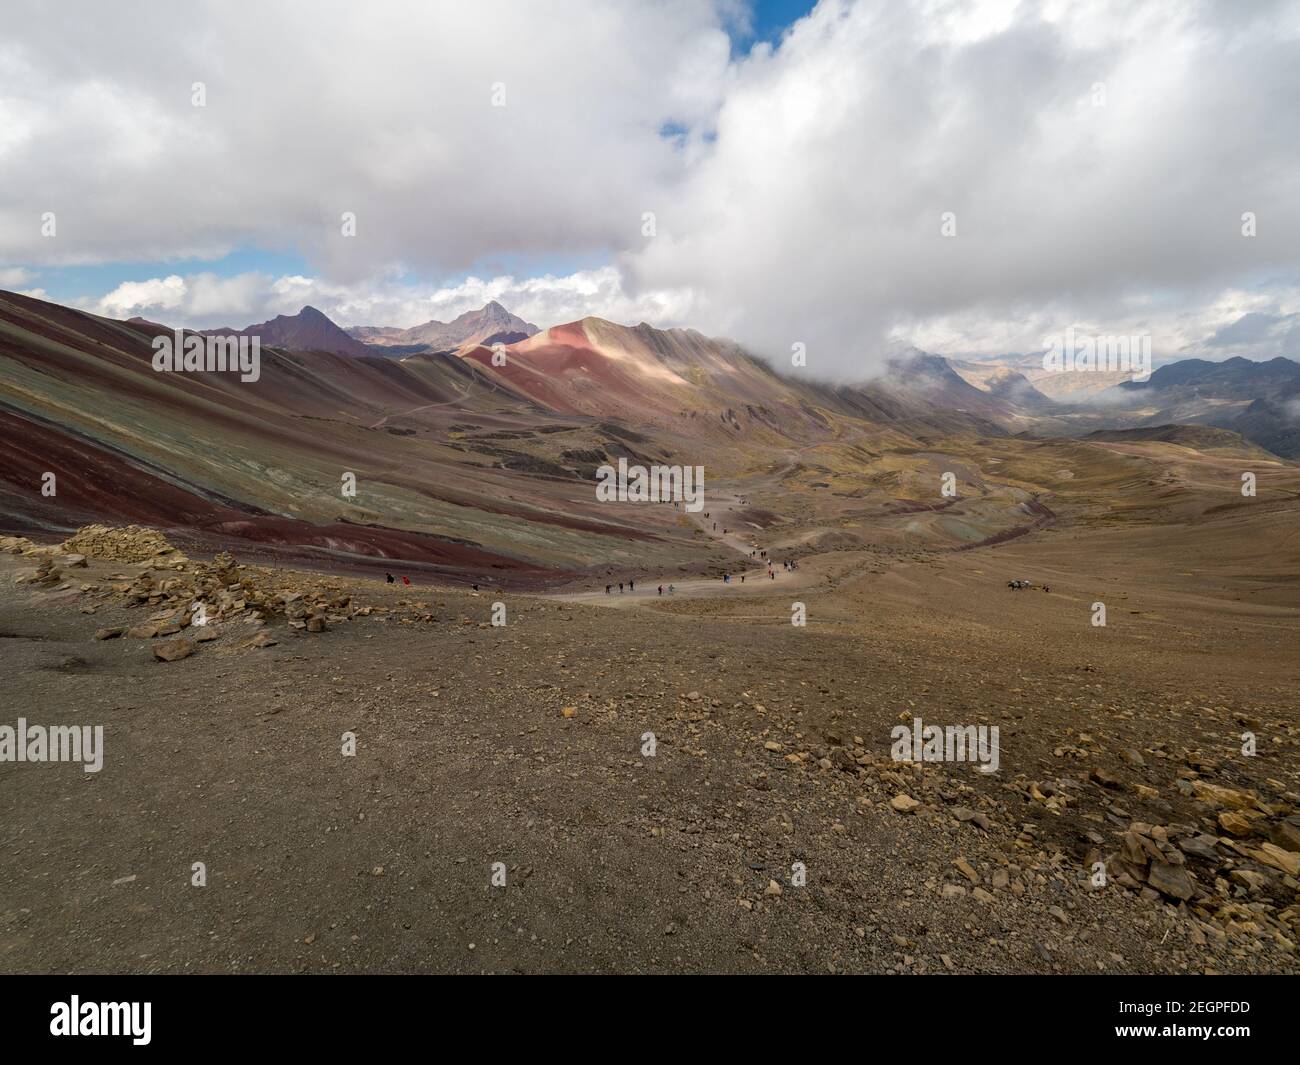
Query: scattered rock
{"type": "Point", "coordinates": [1172, 880]}
{"type": "Point", "coordinates": [173, 650]}
{"type": "Point", "coordinates": [904, 804]}
{"type": "Point", "coordinates": [1234, 824]}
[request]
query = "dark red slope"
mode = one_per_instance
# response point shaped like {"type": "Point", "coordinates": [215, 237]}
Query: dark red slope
{"type": "Point", "coordinates": [97, 484]}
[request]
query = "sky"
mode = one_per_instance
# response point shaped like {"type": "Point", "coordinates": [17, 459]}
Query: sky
{"type": "Point", "coordinates": [967, 176]}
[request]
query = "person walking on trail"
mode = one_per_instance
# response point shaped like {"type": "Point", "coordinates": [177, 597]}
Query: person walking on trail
{"type": "Point", "coordinates": [607, 588]}
{"type": "Point", "coordinates": [661, 589]}
{"type": "Point", "coordinates": [671, 589]}
{"type": "Point", "coordinates": [391, 578]}
{"type": "Point", "coordinates": [620, 587]}
{"type": "Point", "coordinates": [742, 578]}
{"type": "Point", "coordinates": [406, 580]}
{"type": "Point", "coordinates": [631, 586]}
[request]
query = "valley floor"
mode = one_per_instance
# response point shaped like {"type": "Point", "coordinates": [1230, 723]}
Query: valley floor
{"type": "Point", "coordinates": [526, 744]}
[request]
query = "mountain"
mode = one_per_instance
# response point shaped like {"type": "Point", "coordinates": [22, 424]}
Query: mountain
{"type": "Point", "coordinates": [1271, 425]}
{"type": "Point", "coordinates": [308, 330]}
{"type": "Point", "coordinates": [924, 390]}
{"type": "Point", "coordinates": [492, 324]}
{"type": "Point", "coordinates": [465, 466]}
{"type": "Point", "coordinates": [1003, 382]}
{"type": "Point", "coordinates": [1234, 378]}
{"type": "Point", "coordinates": [1259, 400]}
{"type": "Point", "coordinates": [1198, 437]}
{"type": "Point", "coordinates": [471, 467]}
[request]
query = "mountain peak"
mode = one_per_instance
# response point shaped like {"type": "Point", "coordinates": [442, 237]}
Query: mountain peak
{"type": "Point", "coordinates": [308, 330]}
{"type": "Point", "coordinates": [489, 324]}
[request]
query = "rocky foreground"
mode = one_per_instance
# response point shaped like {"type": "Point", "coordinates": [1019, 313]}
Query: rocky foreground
{"type": "Point", "coordinates": [586, 790]}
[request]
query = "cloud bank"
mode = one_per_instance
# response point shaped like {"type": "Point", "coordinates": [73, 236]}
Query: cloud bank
{"type": "Point", "coordinates": [968, 176]}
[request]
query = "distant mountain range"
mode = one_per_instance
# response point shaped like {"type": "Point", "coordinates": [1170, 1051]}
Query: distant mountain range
{"type": "Point", "coordinates": [492, 324]}
{"type": "Point", "coordinates": [311, 330]}
{"type": "Point", "coordinates": [308, 330]}
{"type": "Point", "coordinates": [1258, 400]}
{"type": "Point", "coordinates": [470, 464]}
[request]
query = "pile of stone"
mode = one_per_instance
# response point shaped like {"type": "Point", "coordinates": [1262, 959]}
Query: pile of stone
{"type": "Point", "coordinates": [194, 600]}
{"type": "Point", "coordinates": [1149, 861]}
{"type": "Point", "coordinates": [1240, 872]}
{"type": "Point", "coordinates": [46, 576]}
{"type": "Point", "coordinates": [18, 545]}
{"type": "Point", "coordinates": [204, 594]}
{"type": "Point", "coordinates": [131, 543]}
{"type": "Point", "coordinates": [50, 564]}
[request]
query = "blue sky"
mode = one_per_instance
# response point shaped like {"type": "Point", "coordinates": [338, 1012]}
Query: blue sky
{"type": "Point", "coordinates": [770, 18]}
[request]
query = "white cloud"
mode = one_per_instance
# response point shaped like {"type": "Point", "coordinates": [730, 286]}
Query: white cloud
{"type": "Point", "coordinates": [13, 276]}
{"type": "Point", "coordinates": [817, 215]}
{"type": "Point", "coordinates": [802, 203]}
{"type": "Point", "coordinates": [206, 301]}
{"type": "Point", "coordinates": [379, 109]}
{"type": "Point", "coordinates": [132, 297]}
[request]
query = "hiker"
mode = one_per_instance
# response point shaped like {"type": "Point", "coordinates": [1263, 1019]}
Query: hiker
{"type": "Point", "coordinates": [661, 589]}
{"type": "Point", "coordinates": [406, 580]}
{"type": "Point", "coordinates": [742, 578]}
{"type": "Point", "coordinates": [631, 586]}
{"type": "Point", "coordinates": [607, 588]}
{"type": "Point", "coordinates": [671, 589]}
{"type": "Point", "coordinates": [391, 580]}
{"type": "Point", "coordinates": [771, 574]}
{"type": "Point", "coordinates": [620, 587]}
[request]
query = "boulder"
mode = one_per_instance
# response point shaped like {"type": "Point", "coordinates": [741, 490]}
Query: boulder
{"type": "Point", "coordinates": [1171, 880]}
{"type": "Point", "coordinates": [173, 650]}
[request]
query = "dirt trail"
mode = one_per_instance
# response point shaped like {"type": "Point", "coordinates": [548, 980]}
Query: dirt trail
{"type": "Point", "coordinates": [457, 401]}
{"type": "Point", "coordinates": [756, 581]}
